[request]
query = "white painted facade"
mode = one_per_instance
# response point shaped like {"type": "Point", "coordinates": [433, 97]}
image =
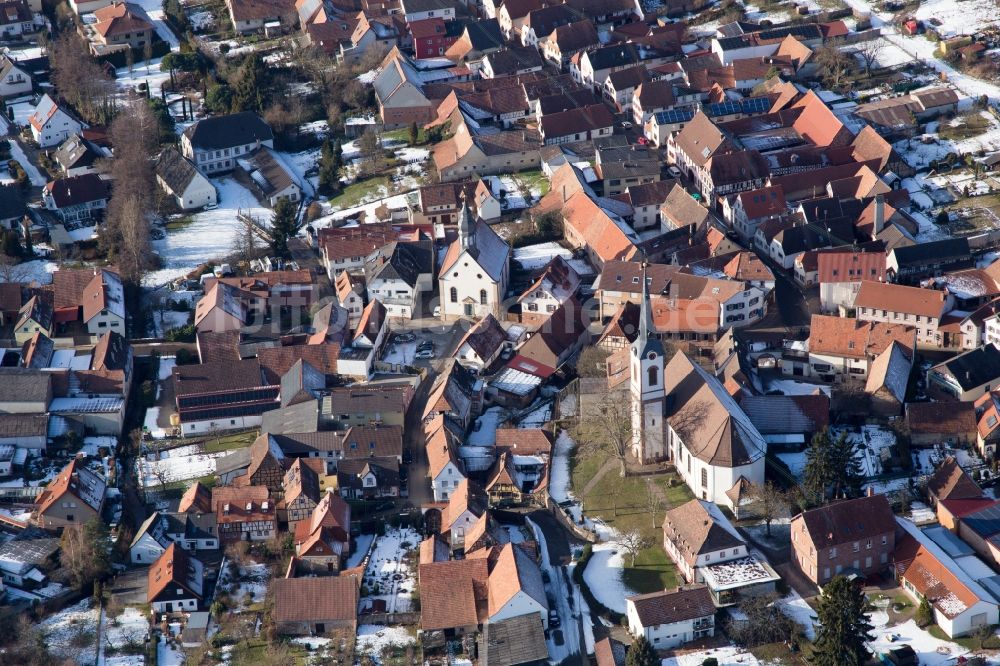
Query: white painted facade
{"type": "Point", "coordinates": [669, 636]}
{"type": "Point", "coordinates": [521, 603]}
{"type": "Point", "coordinates": [445, 483]}
{"type": "Point", "coordinates": [146, 550]}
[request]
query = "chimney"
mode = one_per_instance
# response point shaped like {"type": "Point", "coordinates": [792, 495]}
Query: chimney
{"type": "Point", "coordinates": [879, 213]}
{"type": "Point", "coordinates": [564, 193]}
{"type": "Point", "coordinates": [870, 492]}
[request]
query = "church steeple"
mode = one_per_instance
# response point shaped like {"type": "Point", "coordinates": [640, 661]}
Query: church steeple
{"type": "Point", "coordinates": [466, 227]}
{"type": "Point", "coordinates": [645, 342]}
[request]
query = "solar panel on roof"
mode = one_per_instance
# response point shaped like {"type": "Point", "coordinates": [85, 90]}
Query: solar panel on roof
{"type": "Point", "coordinates": [674, 116]}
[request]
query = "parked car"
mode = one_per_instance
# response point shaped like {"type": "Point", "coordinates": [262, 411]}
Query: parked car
{"type": "Point", "coordinates": [437, 310]}
{"type": "Point", "coordinates": [424, 354]}
{"type": "Point", "coordinates": [426, 344]}
{"type": "Point", "coordinates": [674, 171]}
{"type": "Point", "coordinates": [405, 337]}
{"type": "Point", "coordinates": [553, 619]}
{"type": "Point", "coordinates": [627, 124]}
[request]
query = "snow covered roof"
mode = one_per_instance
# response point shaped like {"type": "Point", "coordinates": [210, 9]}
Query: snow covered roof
{"type": "Point", "coordinates": [81, 405]}
{"type": "Point", "coordinates": [515, 382]}
{"type": "Point", "coordinates": [750, 570]}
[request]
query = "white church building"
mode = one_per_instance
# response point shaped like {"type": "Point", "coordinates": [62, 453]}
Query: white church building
{"type": "Point", "coordinates": [683, 413]}
{"type": "Point", "coordinates": [475, 271]}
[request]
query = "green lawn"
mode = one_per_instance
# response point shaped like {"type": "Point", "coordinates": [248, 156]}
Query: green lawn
{"type": "Point", "coordinates": [230, 442]}
{"type": "Point", "coordinates": [364, 190]}
{"type": "Point", "coordinates": [969, 125]}
{"type": "Point", "coordinates": [622, 504]}
{"type": "Point", "coordinates": [535, 180]}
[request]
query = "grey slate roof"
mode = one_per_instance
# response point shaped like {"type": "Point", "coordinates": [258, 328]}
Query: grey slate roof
{"type": "Point", "coordinates": [403, 261]}
{"type": "Point", "coordinates": [75, 153]}
{"type": "Point", "coordinates": [175, 170]}
{"type": "Point", "coordinates": [974, 368]}
{"type": "Point", "coordinates": [235, 129]}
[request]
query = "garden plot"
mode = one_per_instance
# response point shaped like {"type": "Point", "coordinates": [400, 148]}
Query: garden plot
{"type": "Point", "coordinates": [209, 234]}
{"type": "Point", "coordinates": [72, 633]}
{"type": "Point", "coordinates": [125, 633]}
{"type": "Point", "coordinates": [375, 640]}
{"type": "Point", "coordinates": [927, 459]}
{"type": "Point", "coordinates": [248, 587]}
{"type": "Point", "coordinates": [959, 18]}
{"type": "Point", "coordinates": [182, 464]}
{"type": "Point", "coordinates": [604, 575]}
{"type": "Point", "coordinates": [389, 576]}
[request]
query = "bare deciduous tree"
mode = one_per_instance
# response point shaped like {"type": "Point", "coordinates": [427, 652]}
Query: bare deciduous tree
{"type": "Point", "coordinates": [869, 53]}
{"type": "Point", "coordinates": [770, 502]}
{"type": "Point", "coordinates": [607, 430]}
{"type": "Point", "coordinates": [654, 501]}
{"type": "Point", "coordinates": [633, 543]}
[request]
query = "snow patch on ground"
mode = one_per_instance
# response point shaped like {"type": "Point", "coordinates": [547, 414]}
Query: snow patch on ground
{"type": "Point", "coordinates": [726, 656]}
{"type": "Point", "coordinates": [373, 639]}
{"type": "Point", "coordinates": [604, 575]}
{"type": "Point", "coordinates": [209, 235]}
{"type": "Point", "coordinates": [795, 607]}
{"type": "Point", "coordinates": [389, 571]}
{"type": "Point", "coordinates": [72, 633]}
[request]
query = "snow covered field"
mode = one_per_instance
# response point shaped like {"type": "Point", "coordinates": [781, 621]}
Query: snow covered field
{"type": "Point", "coordinates": [209, 235]}
{"type": "Point", "coordinates": [72, 633]}
{"type": "Point", "coordinates": [123, 634]}
{"type": "Point", "coordinates": [388, 572]}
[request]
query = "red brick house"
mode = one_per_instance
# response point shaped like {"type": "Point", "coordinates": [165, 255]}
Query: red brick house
{"type": "Point", "coordinates": [850, 536]}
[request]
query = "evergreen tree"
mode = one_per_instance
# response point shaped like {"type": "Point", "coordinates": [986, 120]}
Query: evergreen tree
{"type": "Point", "coordinates": [251, 89]}
{"type": "Point", "coordinates": [414, 133]}
{"type": "Point", "coordinates": [817, 474]}
{"type": "Point", "coordinates": [329, 168]}
{"type": "Point", "coordinates": [11, 245]}
{"type": "Point", "coordinates": [925, 615]}
{"type": "Point", "coordinates": [843, 628]}
{"type": "Point", "coordinates": [641, 653]}
{"type": "Point", "coordinates": [846, 467]}
{"type": "Point", "coordinates": [284, 225]}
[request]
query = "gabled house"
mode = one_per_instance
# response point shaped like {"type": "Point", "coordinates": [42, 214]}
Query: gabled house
{"type": "Point", "coordinates": [398, 274]}
{"type": "Point", "coordinates": [579, 124]}
{"type": "Point", "coordinates": [840, 274]}
{"type": "Point", "coordinates": [178, 177]}
{"type": "Point", "coordinates": [269, 16]}
{"type": "Point", "coordinates": [323, 542]}
{"type": "Point", "coordinates": [922, 308]}
{"type": "Point", "coordinates": [214, 144]}
{"type": "Point", "coordinates": [445, 469]}
{"type": "Point", "coordinates": [704, 544]}
{"type": "Point", "coordinates": [176, 582]}
{"type": "Point", "coordinates": [76, 156]}
{"type": "Point", "coordinates": [948, 423]}
{"type": "Point", "coordinates": [959, 602]}
{"type": "Point", "coordinates": [559, 337]}
{"type": "Point", "coordinates": [455, 395]}
{"type": "Point", "coordinates": [51, 123]}
{"type": "Point", "coordinates": [968, 376]}
{"type": "Point", "coordinates": [555, 285]}
{"type": "Point", "coordinates": [35, 316]}
{"type": "Point", "coordinates": [482, 344]}
{"type": "Point", "coordinates": [843, 349]}
{"type": "Point", "coordinates": [73, 497]}
{"type": "Point", "coordinates": [888, 378]}
{"type": "Point", "coordinates": [857, 535]}
{"type": "Point", "coordinates": [244, 513]}
{"type": "Point", "coordinates": [368, 478]}
{"type": "Point", "coordinates": [77, 198]}
{"type": "Point", "coordinates": [951, 482]}
{"type": "Point", "coordinates": [15, 80]}
{"type": "Point", "coordinates": [315, 606]}
{"type": "Point", "coordinates": [671, 618]}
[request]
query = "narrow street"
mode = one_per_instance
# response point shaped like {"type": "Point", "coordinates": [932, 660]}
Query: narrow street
{"type": "Point", "coordinates": [566, 643]}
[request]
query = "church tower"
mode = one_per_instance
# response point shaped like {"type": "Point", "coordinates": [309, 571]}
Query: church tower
{"type": "Point", "coordinates": [466, 228]}
{"type": "Point", "coordinates": [646, 382]}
